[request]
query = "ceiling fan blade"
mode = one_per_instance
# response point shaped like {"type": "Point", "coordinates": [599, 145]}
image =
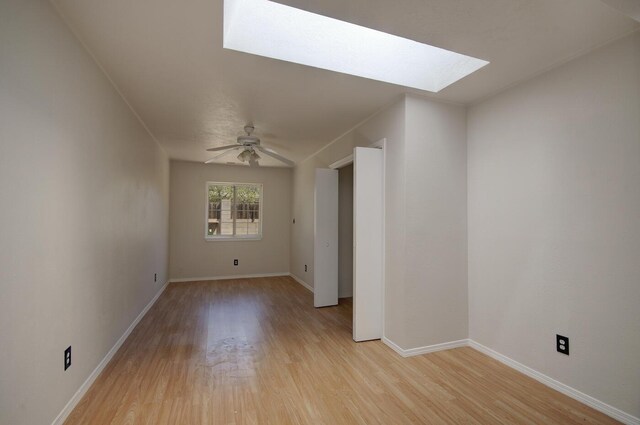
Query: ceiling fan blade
{"type": "Point", "coordinates": [221, 155]}
{"type": "Point", "coordinates": [221, 148]}
{"type": "Point", "coordinates": [275, 155]}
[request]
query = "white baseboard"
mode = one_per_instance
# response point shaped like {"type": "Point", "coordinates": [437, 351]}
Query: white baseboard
{"type": "Point", "coordinates": [239, 276]}
{"type": "Point", "coordinates": [301, 282]}
{"type": "Point", "coordinates": [583, 398]}
{"type": "Point", "coordinates": [426, 349]}
{"type": "Point", "coordinates": [62, 416]}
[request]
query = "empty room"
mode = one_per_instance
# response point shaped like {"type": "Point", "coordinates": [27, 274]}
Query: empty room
{"type": "Point", "coordinates": [319, 212]}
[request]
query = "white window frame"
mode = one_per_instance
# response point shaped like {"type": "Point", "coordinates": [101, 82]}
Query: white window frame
{"type": "Point", "coordinates": [232, 237]}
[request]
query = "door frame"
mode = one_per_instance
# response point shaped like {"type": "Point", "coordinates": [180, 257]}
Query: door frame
{"type": "Point", "coordinates": [347, 160]}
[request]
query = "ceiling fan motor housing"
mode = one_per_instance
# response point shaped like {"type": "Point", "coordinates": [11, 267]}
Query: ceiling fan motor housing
{"type": "Point", "coordinates": [248, 140]}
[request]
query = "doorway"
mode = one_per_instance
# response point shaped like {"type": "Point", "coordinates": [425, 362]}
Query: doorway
{"type": "Point", "coordinates": [332, 233]}
{"type": "Point", "coordinates": [345, 233]}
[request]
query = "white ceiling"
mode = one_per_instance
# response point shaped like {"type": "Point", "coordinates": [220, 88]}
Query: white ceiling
{"type": "Point", "coordinates": [166, 58]}
{"type": "Point", "coordinates": [628, 7]}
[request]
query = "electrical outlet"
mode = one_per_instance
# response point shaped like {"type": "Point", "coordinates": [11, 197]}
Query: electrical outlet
{"type": "Point", "coordinates": [235, 262]}
{"type": "Point", "coordinates": [67, 358]}
{"type": "Point", "coordinates": [562, 344]}
{"type": "Point", "coordinates": [155, 277]}
{"type": "Point", "coordinates": [305, 267]}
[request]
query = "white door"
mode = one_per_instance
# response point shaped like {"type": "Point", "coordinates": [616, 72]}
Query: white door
{"type": "Point", "coordinates": [368, 189]}
{"type": "Point", "coordinates": [325, 229]}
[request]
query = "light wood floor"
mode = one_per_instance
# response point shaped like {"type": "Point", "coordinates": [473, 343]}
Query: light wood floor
{"type": "Point", "coordinates": [257, 352]}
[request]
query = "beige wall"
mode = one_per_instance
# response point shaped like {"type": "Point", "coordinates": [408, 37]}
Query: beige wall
{"type": "Point", "coordinates": [301, 238]}
{"type": "Point", "coordinates": [83, 217]}
{"type": "Point", "coordinates": [192, 257]}
{"type": "Point", "coordinates": [554, 223]}
{"type": "Point", "coordinates": [345, 228]}
{"type": "Point", "coordinates": [435, 297]}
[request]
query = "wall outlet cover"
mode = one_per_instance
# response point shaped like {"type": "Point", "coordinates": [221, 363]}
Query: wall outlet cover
{"type": "Point", "coordinates": [67, 358]}
{"type": "Point", "coordinates": [562, 344]}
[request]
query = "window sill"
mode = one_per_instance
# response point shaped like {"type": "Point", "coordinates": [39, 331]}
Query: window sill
{"type": "Point", "coordinates": [232, 238]}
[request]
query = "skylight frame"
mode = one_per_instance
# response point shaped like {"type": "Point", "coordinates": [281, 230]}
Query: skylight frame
{"type": "Point", "coordinates": [274, 30]}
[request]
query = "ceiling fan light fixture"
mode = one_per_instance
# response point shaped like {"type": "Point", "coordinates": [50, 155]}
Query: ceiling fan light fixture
{"type": "Point", "coordinates": [253, 158]}
{"type": "Point", "coordinates": [244, 156]}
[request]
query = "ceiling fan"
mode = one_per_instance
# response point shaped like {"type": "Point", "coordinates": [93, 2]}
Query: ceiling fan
{"type": "Point", "coordinates": [248, 145]}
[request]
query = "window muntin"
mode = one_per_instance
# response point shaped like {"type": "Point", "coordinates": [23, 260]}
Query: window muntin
{"type": "Point", "coordinates": [234, 211]}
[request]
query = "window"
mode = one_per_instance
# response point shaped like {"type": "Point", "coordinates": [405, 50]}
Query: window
{"type": "Point", "coordinates": [234, 211]}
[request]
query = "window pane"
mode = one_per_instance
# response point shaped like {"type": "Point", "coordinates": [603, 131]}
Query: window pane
{"type": "Point", "coordinates": [254, 227]}
{"type": "Point", "coordinates": [248, 208]}
{"type": "Point", "coordinates": [220, 219]}
{"type": "Point", "coordinates": [241, 227]}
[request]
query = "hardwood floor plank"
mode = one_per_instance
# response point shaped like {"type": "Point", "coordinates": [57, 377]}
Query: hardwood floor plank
{"type": "Point", "coordinates": [255, 351]}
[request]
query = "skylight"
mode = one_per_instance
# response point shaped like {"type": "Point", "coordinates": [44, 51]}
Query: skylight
{"type": "Point", "coordinates": [265, 28]}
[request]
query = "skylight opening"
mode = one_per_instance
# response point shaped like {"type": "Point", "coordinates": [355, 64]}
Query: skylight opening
{"type": "Point", "coordinates": [277, 31]}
